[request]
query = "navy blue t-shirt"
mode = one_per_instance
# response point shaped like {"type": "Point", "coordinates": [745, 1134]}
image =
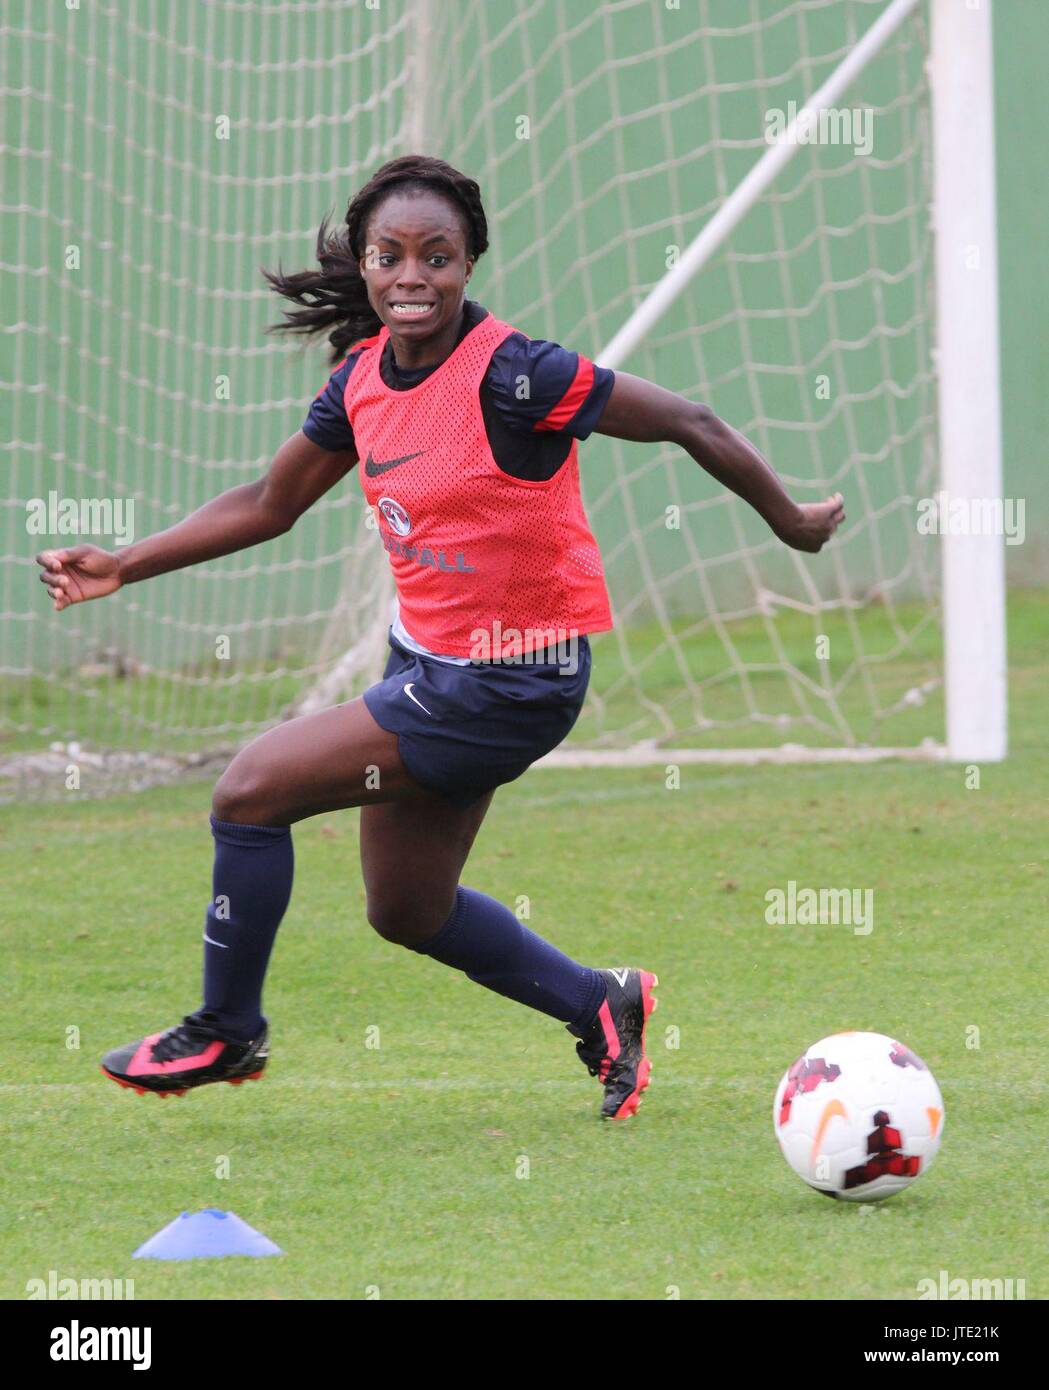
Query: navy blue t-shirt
{"type": "Point", "coordinates": [531, 437]}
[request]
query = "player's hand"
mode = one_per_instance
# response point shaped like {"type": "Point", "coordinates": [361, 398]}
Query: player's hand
{"type": "Point", "coordinates": [77, 574]}
{"type": "Point", "coordinates": [814, 524]}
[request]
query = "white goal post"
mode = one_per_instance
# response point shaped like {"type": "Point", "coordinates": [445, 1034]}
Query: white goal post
{"type": "Point", "coordinates": [969, 374]}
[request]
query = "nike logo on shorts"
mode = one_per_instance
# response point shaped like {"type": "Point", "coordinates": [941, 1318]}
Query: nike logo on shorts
{"type": "Point", "coordinates": [373, 469]}
{"type": "Point", "coordinates": [408, 692]}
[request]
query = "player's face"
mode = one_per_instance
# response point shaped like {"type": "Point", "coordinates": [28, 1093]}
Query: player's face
{"type": "Point", "coordinates": [416, 268]}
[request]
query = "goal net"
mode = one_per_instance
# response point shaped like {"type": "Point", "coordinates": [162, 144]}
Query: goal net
{"type": "Point", "coordinates": [159, 154]}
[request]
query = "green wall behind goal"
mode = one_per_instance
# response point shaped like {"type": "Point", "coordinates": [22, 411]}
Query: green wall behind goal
{"type": "Point", "coordinates": [164, 153]}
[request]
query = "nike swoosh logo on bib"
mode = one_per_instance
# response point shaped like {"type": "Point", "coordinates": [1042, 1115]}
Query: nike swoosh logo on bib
{"type": "Point", "coordinates": [373, 469]}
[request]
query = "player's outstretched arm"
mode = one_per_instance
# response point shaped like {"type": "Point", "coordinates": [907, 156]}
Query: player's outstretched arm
{"type": "Point", "coordinates": [244, 516]}
{"type": "Point", "coordinates": [640, 410]}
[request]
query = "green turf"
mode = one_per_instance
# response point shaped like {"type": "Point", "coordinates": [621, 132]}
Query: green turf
{"type": "Point", "coordinates": [396, 1168]}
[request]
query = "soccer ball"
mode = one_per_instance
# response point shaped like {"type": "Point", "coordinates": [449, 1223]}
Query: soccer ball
{"type": "Point", "coordinates": [858, 1116]}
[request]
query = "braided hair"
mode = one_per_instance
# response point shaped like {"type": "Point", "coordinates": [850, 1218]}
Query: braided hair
{"type": "Point", "coordinates": [335, 297]}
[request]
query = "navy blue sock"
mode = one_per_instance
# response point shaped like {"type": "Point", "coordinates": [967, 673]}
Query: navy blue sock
{"type": "Point", "coordinates": [485, 939]}
{"type": "Point", "coordinates": [251, 887]}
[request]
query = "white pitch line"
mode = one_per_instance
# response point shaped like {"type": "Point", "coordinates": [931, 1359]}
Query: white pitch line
{"type": "Point", "coordinates": [754, 1085]}
{"type": "Point", "coordinates": [334, 1084]}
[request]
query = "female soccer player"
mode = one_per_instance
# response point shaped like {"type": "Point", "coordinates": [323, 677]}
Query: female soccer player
{"type": "Point", "coordinates": [465, 433]}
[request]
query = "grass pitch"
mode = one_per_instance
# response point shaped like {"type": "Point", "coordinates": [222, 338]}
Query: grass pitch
{"type": "Point", "coordinates": [463, 1157]}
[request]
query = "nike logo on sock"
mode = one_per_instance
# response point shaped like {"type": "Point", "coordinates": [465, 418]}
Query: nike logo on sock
{"type": "Point", "coordinates": [373, 469]}
{"type": "Point", "coordinates": [223, 944]}
{"type": "Point", "coordinates": [408, 692]}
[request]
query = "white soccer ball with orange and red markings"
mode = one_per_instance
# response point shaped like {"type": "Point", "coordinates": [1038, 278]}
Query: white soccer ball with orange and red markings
{"type": "Point", "coordinates": [858, 1116]}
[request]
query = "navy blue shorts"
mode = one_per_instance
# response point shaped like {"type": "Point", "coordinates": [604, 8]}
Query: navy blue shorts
{"type": "Point", "coordinates": [462, 730]}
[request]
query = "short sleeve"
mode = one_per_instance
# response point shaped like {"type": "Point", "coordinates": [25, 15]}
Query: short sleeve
{"type": "Point", "coordinates": [539, 386]}
{"type": "Point", "coordinates": [326, 424]}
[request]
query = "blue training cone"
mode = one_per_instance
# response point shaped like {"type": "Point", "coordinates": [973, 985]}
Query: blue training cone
{"type": "Point", "coordinates": [205, 1235]}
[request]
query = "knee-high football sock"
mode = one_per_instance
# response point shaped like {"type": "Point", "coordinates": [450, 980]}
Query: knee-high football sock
{"type": "Point", "coordinates": [485, 940]}
{"type": "Point", "coordinates": [251, 888]}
